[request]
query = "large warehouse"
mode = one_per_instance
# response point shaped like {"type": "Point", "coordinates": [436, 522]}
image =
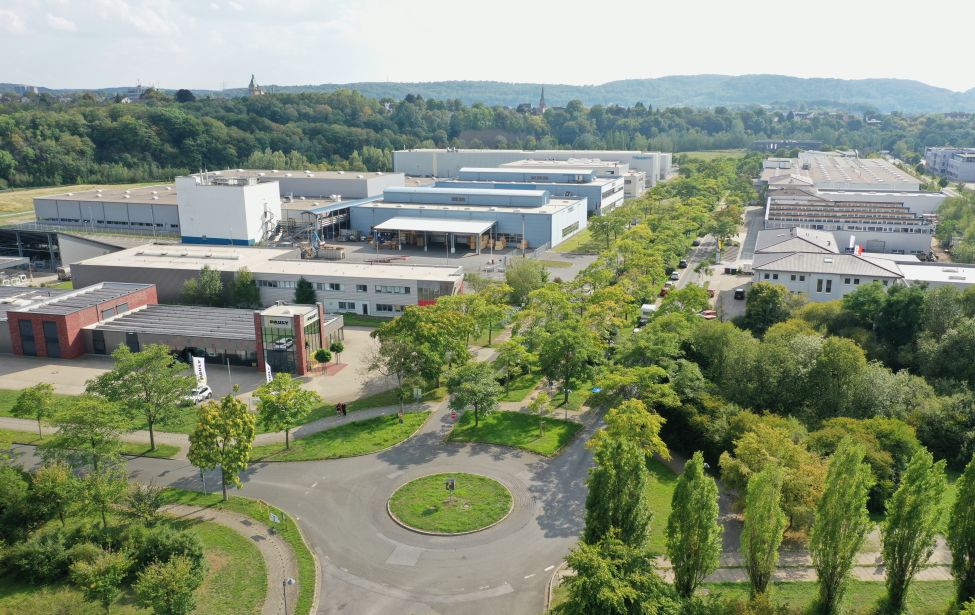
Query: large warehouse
{"type": "Point", "coordinates": [602, 194]}
{"type": "Point", "coordinates": [377, 289]}
{"type": "Point", "coordinates": [506, 217]}
{"type": "Point", "coordinates": [448, 162]}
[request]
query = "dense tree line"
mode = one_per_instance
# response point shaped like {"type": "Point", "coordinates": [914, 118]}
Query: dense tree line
{"type": "Point", "coordinates": [44, 141]}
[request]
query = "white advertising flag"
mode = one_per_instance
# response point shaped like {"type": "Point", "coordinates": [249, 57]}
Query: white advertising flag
{"type": "Point", "coordinates": [200, 370]}
{"type": "Point", "coordinates": [267, 371]}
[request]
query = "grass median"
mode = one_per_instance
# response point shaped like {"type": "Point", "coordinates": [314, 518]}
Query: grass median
{"type": "Point", "coordinates": [518, 430]}
{"type": "Point", "coordinates": [475, 503]}
{"type": "Point", "coordinates": [137, 449]}
{"type": "Point", "coordinates": [349, 440]}
{"type": "Point", "coordinates": [260, 512]}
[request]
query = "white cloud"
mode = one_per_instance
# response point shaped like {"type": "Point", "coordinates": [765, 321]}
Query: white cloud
{"type": "Point", "coordinates": [12, 22]}
{"type": "Point", "coordinates": [237, 6]}
{"type": "Point", "coordinates": [61, 23]}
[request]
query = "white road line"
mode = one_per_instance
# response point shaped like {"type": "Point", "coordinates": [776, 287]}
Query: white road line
{"type": "Point", "coordinates": [314, 484]}
{"type": "Point", "coordinates": [528, 576]}
{"type": "Point", "coordinates": [484, 587]}
{"type": "Point", "coordinates": [550, 567]}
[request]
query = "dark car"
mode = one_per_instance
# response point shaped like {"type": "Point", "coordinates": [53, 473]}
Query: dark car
{"type": "Point", "coordinates": [682, 264]}
{"type": "Point", "coordinates": [696, 243]}
{"type": "Point", "coordinates": [739, 293]}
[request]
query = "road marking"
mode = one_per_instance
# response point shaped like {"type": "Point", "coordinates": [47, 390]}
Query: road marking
{"type": "Point", "coordinates": [528, 576]}
{"type": "Point", "coordinates": [549, 568]}
{"type": "Point", "coordinates": [394, 474]}
{"type": "Point", "coordinates": [484, 587]}
{"type": "Point", "coordinates": [314, 484]}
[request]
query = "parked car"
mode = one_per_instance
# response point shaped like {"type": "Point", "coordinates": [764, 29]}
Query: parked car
{"type": "Point", "coordinates": [198, 395]}
{"type": "Point", "coordinates": [664, 291]}
{"type": "Point", "coordinates": [675, 276]}
{"type": "Point", "coordinates": [710, 293]}
{"type": "Point", "coordinates": [682, 264]}
{"type": "Point", "coordinates": [708, 314]}
{"type": "Point", "coordinates": [696, 243]}
{"type": "Point", "coordinates": [284, 343]}
{"type": "Point", "coordinates": [739, 293]}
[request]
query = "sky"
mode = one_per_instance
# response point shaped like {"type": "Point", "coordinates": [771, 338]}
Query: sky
{"type": "Point", "coordinates": [212, 44]}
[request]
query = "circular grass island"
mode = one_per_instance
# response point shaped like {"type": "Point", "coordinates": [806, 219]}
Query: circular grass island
{"type": "Point", "coordinates": [425, 504]}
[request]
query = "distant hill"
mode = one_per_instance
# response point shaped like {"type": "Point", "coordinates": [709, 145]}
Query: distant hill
{"type": "Point", "coordinates": [674, 91]}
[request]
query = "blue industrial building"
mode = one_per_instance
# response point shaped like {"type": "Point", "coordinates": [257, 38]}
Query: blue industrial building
{"type": "Point", "coordinates": [602, 194]}
{"type": "Point", "coordinates": [438, 216]}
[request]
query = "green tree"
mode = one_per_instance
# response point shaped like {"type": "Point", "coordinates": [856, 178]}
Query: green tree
{"type": "Point", "coordinates": [492, 310]}
{"type": "Point", "coordinates": [693, 530]}
{"type": "Point", "coordinates": [168, 588]}
{"type": "Point", "coordinates": [143, 503]}
{"type": "Point", "coordinates": [841, 523]}
{"type": "Point", "coordinates": [283, 404]}
{"type": "Point", "coordinates": [55, 486]}
{"type": "Point", "coordinates": [764, 524]}
{"type": "Point", "coordinates": [184, 96]}
{"type": "Point", "coordinates": [766, 305]}
{"type": "Point", "coordinates": [35, 402]}
{"type": "Point", "coordinates": [205, 289]}
{"type": "Point", "coordinates": [606, 228]}
{"type": "Point", "coordinates": [396, 358]}
{"type": "Point", "coordinates": [512, 358]}
{"type": "Point", "coordinates": [961, 535]}
{"type": "Point", "coordinates": [631, 420]}
{"type": "Point", "coordinates": [337, 348]}
{"type": "Point", "coordinates": [102, 490]}
{"type": "Point", "coordinates": [473, 386]}
{"type": "Point", "coordinates": [150, 384]}
{"type": "Point", "coordinates": [569, 354]}
{"type": "Point", "coordinates": [323, 356]}
{"type": "Point", "coordinates": [614, 578]}
{"type": "Point", "coordinates": [223, 438]}
{"type": "Point", "coordinates": [305, 292]}
{"type": "Point", "coordinates": [89, 434]}
{"type": "Point", "coordinates": [436, 336]}
{"type": "Point", "coordinates": [523, 276]}
{"type": "Point", "coordinates": [541, 406]}
{"type": "Point", "coordinates": [618, 492]}
{"type": "Point", "coordinates": [914, 515]}
{"type": "Point", "coordinates": [100, 581]}
{"type": "Point", "coordinates": [246, 294]}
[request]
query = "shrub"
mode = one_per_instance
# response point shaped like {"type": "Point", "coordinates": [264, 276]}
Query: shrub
{"type": "Point", "coordinates": [162, 544]}
{"type": "Point", "coordinates": [83, 552]}
{"type": "Point", "coordinates": [38, 560]}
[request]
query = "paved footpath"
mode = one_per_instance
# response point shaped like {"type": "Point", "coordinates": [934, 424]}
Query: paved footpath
{"type": "Point", "coordinates": [279, 559]}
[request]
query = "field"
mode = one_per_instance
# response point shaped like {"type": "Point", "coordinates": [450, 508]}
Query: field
{"type": "Point", "coordinates": [476, 503]}
{"type": "Point", "coordinates": [660, 493]}
{"type": "Point", "coordinates": [712, 154]}
{"type": "Point", "coordinates": [18, 205]}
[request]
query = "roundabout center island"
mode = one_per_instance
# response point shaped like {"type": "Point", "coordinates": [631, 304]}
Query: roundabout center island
{"type": "Point", "coordinates": [450, 503]}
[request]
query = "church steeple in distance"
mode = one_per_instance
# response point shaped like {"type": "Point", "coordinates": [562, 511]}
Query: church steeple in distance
{"type": "Point", "coordinates": [541, 102]}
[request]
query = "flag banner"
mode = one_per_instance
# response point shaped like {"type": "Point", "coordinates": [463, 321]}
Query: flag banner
{"type": "Point", "coordinates": [267, 371]}
{"type": "Point", "coordinates": [200, 370]}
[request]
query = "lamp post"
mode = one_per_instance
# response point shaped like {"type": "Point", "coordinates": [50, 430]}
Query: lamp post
{"type": "Point", "coordinates": [284, 592]}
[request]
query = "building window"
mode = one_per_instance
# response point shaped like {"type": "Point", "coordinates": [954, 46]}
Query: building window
{"type": "Point", "coordinates": [856, 281]}
{"type": "Point", "coordinates": [26, 330]}
{"type": "Point", "coordinates": [362, 288]}
{"type": "Point", "coordinates": [775, 276]}
{"type": "Point", "coordinates": [766, 276]}
{"type": "Point", "coordinates": [334, 286]}
{"type": "Point", "coordinates": [819, 285]}
{"type": "Point", "coordinates": [393, 290]}
{"type": "Point", "coordinates": [846, 280]}
{"type": "Point", "coordinates": [802, 278]}
{"type": "Point", "coordinates": [792, 278]}
{"type": "Point", "coordinates": [829, 286]}
{"type": "Point", "coordinates": [570, 229]}
{"type": "Point", "coordinates": [347, 305]}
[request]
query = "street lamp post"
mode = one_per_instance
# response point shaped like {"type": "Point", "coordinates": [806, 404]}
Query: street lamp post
{"type": "Point", "coordinates": [284, 592]}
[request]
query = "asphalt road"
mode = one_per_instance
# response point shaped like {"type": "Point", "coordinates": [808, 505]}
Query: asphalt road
{"type": "Point", "coordinates": [370, 565]}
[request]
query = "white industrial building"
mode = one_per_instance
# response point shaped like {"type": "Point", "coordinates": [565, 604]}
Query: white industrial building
{"type": "Point", "coordinates": [447, 162]}
{"type": "Point", "coordinates": [363, 288]}
{"type": "Point", "coordinates": [869, 201]}
{"type": "Point", "coordinates": [956, 164]}
{"type": "Point", "coordinates": [634, 181]}
{"type": "Point", "coordinates": [815, 264]}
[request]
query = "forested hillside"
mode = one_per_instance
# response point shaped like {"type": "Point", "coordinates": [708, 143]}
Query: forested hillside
{"type": "Point", "coordinates": [44, 142]}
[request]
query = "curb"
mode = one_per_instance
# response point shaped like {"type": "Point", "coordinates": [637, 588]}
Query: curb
{"type": "Point", "coordinates": [382, 450]}
{"type": "Point", "coordinates": [396, 520]}
{"type": "Point", "coordinates": [550, 590]}
{"type": "Point", "coordinates": [317, 594]}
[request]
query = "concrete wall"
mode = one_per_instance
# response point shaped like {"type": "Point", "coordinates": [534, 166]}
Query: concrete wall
{"type": "Point", "coordinates": [808, 283]}
{"type": "Point", "coordinates": [224, 214]}
{"type": "Point", "coordinates": [74, 249]}
{"type": "Point", "coordinates": [350, 185]}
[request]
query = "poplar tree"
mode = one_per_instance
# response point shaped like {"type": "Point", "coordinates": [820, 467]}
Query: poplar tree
{"type": "Point", "coordinates": [961, 535]}
{"type": "Point", "coordinates": [764, 524]}
{"type": "Point", "coordinates": [617, 495]}
{"type": "Point", "coordinates": [693, 531]}
{"type": "Point", "coordinates": [841, 523]}
{"type": "Point", "coordinates": [223, 437]}
{"type": "Point", "coordinates": [913, 516]}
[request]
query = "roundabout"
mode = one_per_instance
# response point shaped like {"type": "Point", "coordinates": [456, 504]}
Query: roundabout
{"type": "Point", "coordinates": [450, 504]}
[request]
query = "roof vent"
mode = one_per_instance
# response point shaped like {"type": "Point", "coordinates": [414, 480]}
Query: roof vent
{"type": "Point", "coordinates": [274, 170]}
{"type": "Point", "coordinates": [827, 259]}
{"type": "Point", "coordinates": [341, 172]}
{"type": "Point", "coordinates": [155, 198]}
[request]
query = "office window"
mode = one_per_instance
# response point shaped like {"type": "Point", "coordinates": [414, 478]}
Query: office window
{"type": "Point", "coordinates": [856, 281]}
{"type": "Point", "coordinates": [775, 276]}
{"type": "Point", "coordinates": [362, 288]}
{"type": "Point", "coordinates": [393, 290]}
{"type": "Point", "coordinates": [819, 285]}
{"type": "Point", "coordinates": [347, 305]}
{"type": "Point", "coordinates": [829, 286]}
{"type": "Point", "coordinates": [846, 280]}
{"type": "Point", "coordinates": [802, 278]}
{"type": "Point", "coordinates": [766, 276]}
{"type": "Point", "coordinates": [334, 286]}
{"type": "Point", "coordinates": [792, 277]}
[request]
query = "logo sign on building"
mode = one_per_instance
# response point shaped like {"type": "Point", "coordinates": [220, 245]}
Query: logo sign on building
{"type": "Point", "coordinates": [267, 372]}
{"type": "Point", "coordinates": [199, 370]}
{"type": "Point", "coordinates": [279, 322]}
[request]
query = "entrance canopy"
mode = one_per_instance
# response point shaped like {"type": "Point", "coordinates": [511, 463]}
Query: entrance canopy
{"type": "Point", "coordinates": [436, 225]}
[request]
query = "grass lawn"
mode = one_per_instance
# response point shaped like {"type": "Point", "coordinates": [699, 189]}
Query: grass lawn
{"type": "Point", "coordinates": [21, 200]}
{"type": "Point", "coordinates": [582, 243]}
{"type": "Point", "coordinates": [516, 429]}
{"type": "Point", "coordinates": [577, 397]}
{"type": "Point", "coordinates": [66, 285]}
{"type": "Point", "coordinates": [362, 320]}
{"type": "Point", "coordinates": [476, 503]}
{"type": "Point", "coordinates": [234, 582]}
{"type": "Point", "coordinates": [358, 438]}
{"type": "Point", "coordinates": [714, 153]}
{"type": "Point", "coordinates": [660, 493]}
{"type": "Point", "coordinates": [924, 598]}
{"type": "Point", "coordinates": [521, 386]}
{"type": "Point", "coordinates": [163, 451]}
{"type": "Point", "coordinates": [260, 512]}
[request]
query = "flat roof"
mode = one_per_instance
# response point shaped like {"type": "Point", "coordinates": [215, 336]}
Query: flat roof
{"type": "Point", "coordinates": [465, 191]}
{"type": "Point", "coordinates": [16, 298]}
{"type": "Point", "coordinates": [436, 225]}
{"type": "Point", "coordinates": [571, 163]}
{"type": "Point", "coordinates": [299, 174]}
{"type": "Point", "coordinates": [89, 296]}
{"type": "Point", "coordinates": [825, 167]}
{"type": "Point", "coordinates": [163, 194]}
{"type": "Point", "coordinates": [263, 261]}
{"type": "Point", "coordinates": [553, 206]}
{"type": "Point", "coordinates": [289, 309]}
{"type": "Point", "coordinates": [188, 320]}
{"type": "Point", "coordinates": [938, 272]}
{"type": "Point", "coordinates": [520, 169]}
